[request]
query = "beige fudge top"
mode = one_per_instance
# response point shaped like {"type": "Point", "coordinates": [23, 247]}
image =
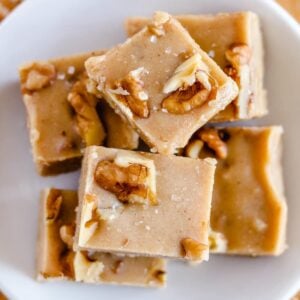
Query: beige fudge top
{"type": "Point", "coordinates": [178, 221]}
{"type": "Point", "coordinates": [145, 80]}
{"type": "Point", "coordinates": [62, 116]}
{"type": "Point", "coordinates": [249, 210]}
{"type": "Point", "coordinates": [57, 261]}
{"type": "Point", "coordinates": [218, 35]}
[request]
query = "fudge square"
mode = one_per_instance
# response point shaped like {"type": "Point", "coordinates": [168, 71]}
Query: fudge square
{"type": "Point", "coordinates": [56, 259]}
{"type": "Point", "coordinates": [61, 114]}
{"type": "Point", "coordinates": [234, 41]}
{"type": "Point", "coordinates": [162, 83]}
{"type": "Point", "coordinates": [144, 204]}
{"type": "Point", "coordinates": [249, 210]}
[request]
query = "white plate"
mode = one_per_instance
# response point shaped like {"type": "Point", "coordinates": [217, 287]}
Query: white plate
{"type": "Point", "coordinates": [43, 29]}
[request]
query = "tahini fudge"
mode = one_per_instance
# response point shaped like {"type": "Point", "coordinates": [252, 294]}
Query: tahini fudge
{"type": "Point", "coordinates": [234, 41]}
{"type": "Point", "coordinates": [249, 211]}
{"type": "Point", "coordinates": [162, 83]}
{"type": "Point", "coordinates": [57, 260]}
{"type": "Point", "coordinates": [62, 114]}
{"type": "Point", "coordinates": [144, 204]}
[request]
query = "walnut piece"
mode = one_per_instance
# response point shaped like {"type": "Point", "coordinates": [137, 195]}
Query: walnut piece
{"type": "Point", "coordinates": [238, 55]}
{"type": "Point", "coordinates": [129, 183]}
{"type": "Point", "coordinates": [130, 91]}
{"type": "Point", "coordinates": [35, 76]}
{"type": "Point", "coordinates": [87, 120]}
{"type": "Point", "coordinates": [217, 242]}
{"type": "Point", "coordinates": [86, 270]}
{"type": "Point", "coordinates": [212, 139]}
{"type": "Point", "coordinates": [53, 207]}
{"type": "Point", "coordinates": [189, 87]}
{"type": "Point", "coordinates": [66, 233]}
{"type": "Point", "coordinates": [157, 26]}
{"type": "Point", "coordinates": [91, 219]}
{"type": "Point", "coordinates": [194, 148]}
{"type": "Point", "coordinates": [192, 249]}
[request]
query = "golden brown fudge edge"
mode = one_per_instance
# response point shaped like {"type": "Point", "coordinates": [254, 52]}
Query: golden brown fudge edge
{"type": "Point", "coordinates": [155, 266]}
{"type": "Point", "coordinates": [271, 181]}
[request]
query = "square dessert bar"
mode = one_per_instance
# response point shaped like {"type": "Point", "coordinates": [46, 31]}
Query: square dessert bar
{"type": "Point", "coordinates": [249, 211]}
{"type": "Point", "coordinates": [144, 204]}
{"type": "Point", "coordinates": [234, 41]}
{"type": "Point", "coordinates": [162, 83]}
{"type": "Point", "coordinates": [57, 260]}
{"type": "Point", "coordinates": [62, 114]}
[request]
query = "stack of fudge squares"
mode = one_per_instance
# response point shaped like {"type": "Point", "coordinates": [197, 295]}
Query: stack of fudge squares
{"type": "Point", "coordinates": [197, 187]}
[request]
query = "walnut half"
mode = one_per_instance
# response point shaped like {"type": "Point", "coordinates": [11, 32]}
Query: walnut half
{"type": "Point", "coordinates": [189, 87]}
{"type": "Point", "coordinates": [131, 179]}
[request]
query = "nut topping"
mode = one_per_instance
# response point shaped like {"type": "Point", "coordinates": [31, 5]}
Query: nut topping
{"type": "Point", "coordinates": [86, 270]}
{"type": "Point", "coordinates": [190, 86]}
{"type": "Point", "coordinates": [217, 242]}
{"type": "Point", "coordinates": [36, 75]}
{"type": "Point", "coordinates": [194, 148]}
{"type": "Point", "coordinates": [156, 27]}
{"type": "Point", "coordinates": [212, 139]}
{"type": "Point", "coordinates": [192, 249]}
{"type": "Point", "coordinates": [88, 122]}
{"type": "Point", "coordinates": [53, 206]}
{"type": "Point", "coordinates": [128, 183]}
{"type": "Point", "coordinates": [238, 55]}
{"type": "Point", "coordinates": [130, 91]}
{"type": "Point", "coordinates": [66, 233]}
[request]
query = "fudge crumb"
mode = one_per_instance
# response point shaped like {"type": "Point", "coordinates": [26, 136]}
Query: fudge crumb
{"type": "Point", "coordinates": [153, 150]}
{"type": "Point", "coordinates": [168, 50]}
{"type": "Point", "coordinates": [61, 76]}
{"type": "Point", "coordinates": [71, 70]}
{"type": "Point", "coordinates": [147, 227]}
{"type": "Point", "coordinates": [211, 53]}
{"type": "Point", "coordinates": [143, 96]}
{"type": "Point", "coordinates": [153, 39]}
{"type": "Point", "coordinates": [164, 110]}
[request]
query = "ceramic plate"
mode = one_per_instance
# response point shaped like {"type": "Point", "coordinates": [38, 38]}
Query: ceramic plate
{"type": "Point", "coordinates": [44, 29]}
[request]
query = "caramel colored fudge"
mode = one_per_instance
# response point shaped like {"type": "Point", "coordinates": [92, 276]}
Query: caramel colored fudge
{"type": "Point", "coordinates": [234, 41]}
{"type": "Point", "coordinates": [144, 204]}
{"type": "Point", "coordinates": [118, 133]}
{"type": "Point", "coordinates": [57, 260]}
{"type": "Point", "coordinates": [162, 83]}
{"type": "Point", "coordinates": [249, 211]}
{"type": "Point", "coordinates": [2, 296]}
{"type": "Point", "coordinates": [63, 116]}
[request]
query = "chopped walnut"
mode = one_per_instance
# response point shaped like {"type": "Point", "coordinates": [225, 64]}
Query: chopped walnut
{"type": "Point", "coordinates": [87, 119]}
{"type": "Point", "coordinates": [66, 233]}
{"type": "Point", "coordinates": [192, 249]}
{"type": "Point", "coordinates": [194, 148]}
{"type": "Point", "coordinates": [36, 75]}
{"type": "Point", "coordinates": [91, 219]}
{"type": "Point", "coordinates": [212, 139]}
{"type": "Point", "coordinates": [128, 183]}
{"type": "Point", "coordinates": [86, 270]}
{"type": "Point", "coordinates": [238, 55]}
{"type": "Point", "coordinates": [157, 26]}
{"type": "Point", "coordinates": [53, 206]}
{"type": "Point", "coordinates": [217, 242]}
{"type": "Point", "coordinates": [189, 87]}
{"type": "Point", "coordinates": [130, 91]}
